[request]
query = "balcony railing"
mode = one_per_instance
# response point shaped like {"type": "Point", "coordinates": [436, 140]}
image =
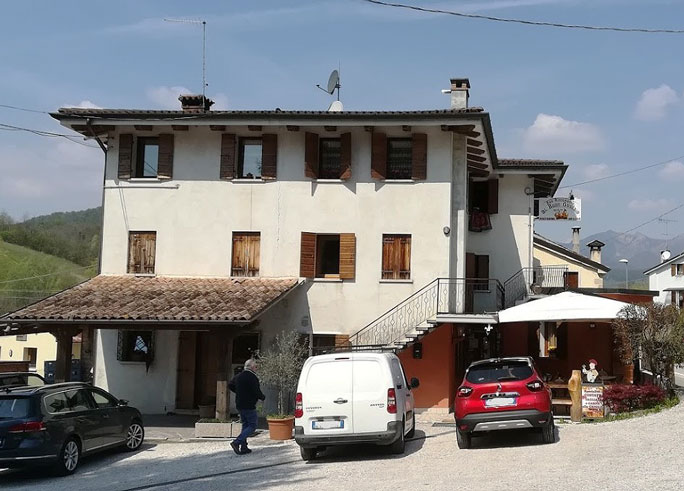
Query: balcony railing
{"type": "Point", "coordinates": [531, 281]}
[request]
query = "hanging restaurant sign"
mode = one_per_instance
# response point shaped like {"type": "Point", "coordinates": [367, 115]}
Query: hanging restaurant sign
{"type": "Point", "coordinates": [559, 209]}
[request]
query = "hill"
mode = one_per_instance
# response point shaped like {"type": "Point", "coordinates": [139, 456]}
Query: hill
{"type": "Point", "coordinates": [46, 275]}
{"type": "Point", "coordinates": [74, 235]}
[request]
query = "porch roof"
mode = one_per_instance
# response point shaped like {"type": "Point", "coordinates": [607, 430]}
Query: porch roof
{"type": "Point", "coordinates": [129, 298]}
{"type": "Point", "coordinates": [565, 306]}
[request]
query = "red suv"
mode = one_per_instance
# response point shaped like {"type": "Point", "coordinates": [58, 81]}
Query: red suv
{"type": "Point", "coordinates": [502, 394]}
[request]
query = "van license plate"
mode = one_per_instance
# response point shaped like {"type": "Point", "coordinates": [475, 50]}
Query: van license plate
{"type": "Point", "coordinates": [500, 402]}
{"type": "Point", "coordinates": [327, 425]}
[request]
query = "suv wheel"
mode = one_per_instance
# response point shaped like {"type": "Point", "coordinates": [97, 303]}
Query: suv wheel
{"type": "Point", "coordinates": [398, 446]}
{"type": "Point", "coordinates": [412, 432]}
{"type": "Point", "coordinates": [549, 432]}
{"type": "Point", "coordinates": [134, 436]}
{"type": "Point", "coordinates": [463, 439]}
{"type": "Point", "coordinates": [307, 453]}
{"type": "Point", "coordinates": [69, 457]}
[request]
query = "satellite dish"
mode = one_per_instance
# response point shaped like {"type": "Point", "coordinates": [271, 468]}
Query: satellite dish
{"type": "Point", "coordinates": [665, 255]}
{"type": "Point", "coordinates": [333, 81]}
{"type": "Point", "coordinates": [335, 107]}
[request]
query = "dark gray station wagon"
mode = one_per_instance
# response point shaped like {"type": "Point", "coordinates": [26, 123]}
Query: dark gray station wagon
{"type": "Point", "coordinates": [57, 424]}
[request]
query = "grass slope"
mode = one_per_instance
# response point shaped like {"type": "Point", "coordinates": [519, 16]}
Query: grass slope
{"type": "Point", "coordinates": [48, 274]}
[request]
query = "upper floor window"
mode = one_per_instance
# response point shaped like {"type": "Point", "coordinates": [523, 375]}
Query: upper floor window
{"type": "Point", "coordinates": [399, 158]}
{"type": "Point", "coordinates": [327, 158]}
{"type": "Point", "coordinates": [396, 257]}
{"type": "Point", "coordinates": [677, 269]}
{"type": "Point", "coordinates": [329, 161]}
{"type": "Point", "coordinates": [142, 248]}
{"type": "Point", "coordinates": [246, 254]}
{"type": "Point", "coordinates": [250, 158]}
{"type": "Point", "coordinates": [483, 196]}
{"type": "Point", "coordinates": [147, 157]}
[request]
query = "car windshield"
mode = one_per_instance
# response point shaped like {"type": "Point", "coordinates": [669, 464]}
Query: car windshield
{"type": "Point", "coordinates": [14, 407]}
{"type": "Point", "coordinates": [499, 371]}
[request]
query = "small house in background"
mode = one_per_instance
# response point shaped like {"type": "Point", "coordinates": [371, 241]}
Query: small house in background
{"type": "Point", "coordinates": [668, 279]}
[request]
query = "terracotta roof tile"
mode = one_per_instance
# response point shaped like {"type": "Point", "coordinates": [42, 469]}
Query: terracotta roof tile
{"type": "Point", "coordinates": [159, 299]}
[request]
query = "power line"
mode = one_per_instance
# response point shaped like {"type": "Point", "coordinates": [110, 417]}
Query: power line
{"type": "Point", "coordinates": [631, 171]}
{"type": "Point", "coordinates": [23, 109]}
{"type": "Point", "coordinates": [650, 221]}
{"type": "Point", "coordinates": [71, 138]}
{"type": "Point", "coordinates": [46, 275]}
{"type": "Point", "coordinates": [526, 22]}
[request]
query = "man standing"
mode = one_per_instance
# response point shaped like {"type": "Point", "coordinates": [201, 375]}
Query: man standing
{"type": "Point", "coordinates": [247, 391]}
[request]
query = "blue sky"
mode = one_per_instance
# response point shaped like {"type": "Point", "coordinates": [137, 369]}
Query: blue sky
{"type": "Point", "coordinates": [603, 102]}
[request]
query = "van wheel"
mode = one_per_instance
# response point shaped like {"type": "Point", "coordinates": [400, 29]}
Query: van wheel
{"type": "Point", "coordinates": [463, 439]}
{"type": "Point", "coordinates": [69, 457]}
{"type": "Point", "coordinates": [412, 431]}
{"type": "Point", "coordinates": [307, 453]}
{"type": "Point", "coordinates": [549, 433]}
{"type": "Point", "coordinates": [398, 446]}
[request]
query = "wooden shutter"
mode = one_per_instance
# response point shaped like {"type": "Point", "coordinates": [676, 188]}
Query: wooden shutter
{"type": "Point", "coordinates": [165, 162]}
{"type": "Point", "coordinates": [269, 156]}
{"type": "Point", "coordinates": [482, 266]}
{"type": "Point", "coordinates": [347, 256]}
{"type": "Point", "coordinates": [379, 156]}
{"type": "Point", "coordinates": [246, 254]}
{"type": "Point", "coordinates": [311, 155]}
{"type": "Point", "coordinates": [142, 252]}
{"type": "Point", "coordinates": [571, 279]}
{"type": "Point", "coordinates": [345, 156]}
{"type": "Point", "coordinates": [419, 156]}
{"type": "Point", "coordinates": [673, 269]}
{"type": "Point", "coordinates": [253, 254]}
{"type": "Point", "coordinates": [404, 257]}
{"type": "Point", "coordinates": [471, 266]}
{"type": "Point", "coordinates": [125, 156]}
{"type": "Point", "coordinates": [238, 256]}
{"type": "Point", "coordinates": [493, 196]}
{"type": "Point", "coordinates": [389, 267]}
{"type": "Point", "coordinates": [307, 258]}
{"type": "Point", "coordinates": [228, 150]}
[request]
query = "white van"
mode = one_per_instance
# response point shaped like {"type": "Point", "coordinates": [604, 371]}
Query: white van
{"type": "Point", "coordinates": [357, 397]}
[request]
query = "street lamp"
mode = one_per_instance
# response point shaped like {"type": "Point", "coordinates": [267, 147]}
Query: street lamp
{"type": "Point", "coordinates": [626, 261]}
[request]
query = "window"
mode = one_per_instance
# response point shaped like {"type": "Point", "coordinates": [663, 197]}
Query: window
{"type": "Point", "coordinates": [483, 196]}
{"type": "Point", "coordinates": [147, 157]}
{"type": "Point", "coordinates": [246, 252]}
{"type": "Point", "coordinates": [330, 153]}
{"type": "Point", "coordinates": [498, 371]}
{"type": "Point", "coordinates": [477, 271]}
{"type": "Point", "coordinates": [677, 298]}
{"type": "Point", "coordinates": [679, 270]}
{"type": "Point", "coordinates": [328, 256]}
{"type": "Point", "coordinates": [78, 400]}
{"type": "Point", "coordinates": [396, 257]}
{"type": "Point", "coordinates": [15, 407]}
{"type": "Point", "coordinates": [399, 158]}
{"type": "Point", "coordinates": [31, 355]}
{"type": "Point", "coordinates": [548, 339]}
{"type": "Point", "coordinates": [22, 337]}
{"type": "Point", "coordinates": [141, 252]}
{"type": "Point", "coordinates": [56, 403]}
{"type": "Point", "coordinates": [250, 158]}
{"type": "Point", "coordinates": [135, 346]}
{"type": "Point", "coordinates": [102, 400]}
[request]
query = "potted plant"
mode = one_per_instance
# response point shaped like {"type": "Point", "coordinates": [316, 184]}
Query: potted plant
{"type": "Point", "coordinates": [279, 367]}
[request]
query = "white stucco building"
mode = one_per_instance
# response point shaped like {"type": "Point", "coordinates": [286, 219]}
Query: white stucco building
{"type": "Point", "coordinates": [668, 279]}
{"type": "Point", "coordinates": [222, 228]}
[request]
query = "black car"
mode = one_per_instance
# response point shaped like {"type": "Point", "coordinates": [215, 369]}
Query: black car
{"type": "Point", "coordinates": [57, 424]}
{"type": "Point", "coordinates": [19, 379]}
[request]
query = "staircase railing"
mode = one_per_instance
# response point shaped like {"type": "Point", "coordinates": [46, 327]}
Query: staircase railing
{"type": "Point", "coordinates": [519, 286]}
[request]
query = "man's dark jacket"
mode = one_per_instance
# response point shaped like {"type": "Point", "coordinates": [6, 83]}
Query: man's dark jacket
{"type": "Point", "coordinates": [247, 390]}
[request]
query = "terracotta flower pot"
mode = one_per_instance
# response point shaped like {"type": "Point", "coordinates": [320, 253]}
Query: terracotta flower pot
{"type": "Point", "coordinates": [280, 429]}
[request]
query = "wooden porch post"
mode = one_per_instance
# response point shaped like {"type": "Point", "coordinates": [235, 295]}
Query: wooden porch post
{"type": "Point", "coordinates": [224, 339]}
{"type": "Point", "coordinates": [63, 364]}
{"type": "Point", "coordinates": [87, 356]}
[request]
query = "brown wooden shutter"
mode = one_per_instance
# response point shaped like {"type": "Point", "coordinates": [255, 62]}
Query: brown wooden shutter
{"type": "Point", "coordinates": [253, 254]}
{"type": "Point", "coordinates": [389, 267]}
{"type": "Point", "coordinates": [165, 163]}
{"type": "Point", "coordinates": [483, 266]}
{"type": "Point", "coordinates": [673, 269]}
{"type": "Point", "coordinates": [228, 150]}
{"type": "Point", "coordinates": [347, 256]}
{"type": "Point", "coordinates": [307, 258]}
{"type": "Point", "coordinates": [405, 257]}
{"type": "Point", "coordinates": [493, 196]}
{"type": "Point", "coordinates": [125, 156]}
{"type": "Point", "coordinates": [141, 252]}
{"type": "Point", "coordinates": [345, 156]}
{"type": "Point", "coordinates": [269, 156]}
{"type": "Point", "coordinates": [239, 253]}
{"type": "Point", "coordinates": [471, 266]}
{"type": "Point", "coordinates": [379, 156]}
{"type": "Point", "coordinates": [311, 155]}
{"type": "Point", "coordinates": [419, 156]}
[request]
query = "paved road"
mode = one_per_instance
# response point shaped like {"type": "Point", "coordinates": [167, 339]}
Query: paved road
{"type": "Point", "coordinates": [642, 453]}
{"type": "Point", "coordinates": [679, 375]}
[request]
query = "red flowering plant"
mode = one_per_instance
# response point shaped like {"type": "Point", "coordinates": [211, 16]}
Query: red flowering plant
{"type": "Point", "coordinates": [623, 398]}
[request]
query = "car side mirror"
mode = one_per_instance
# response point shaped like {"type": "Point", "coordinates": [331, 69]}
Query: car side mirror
{"type": "Point", "coordinates": [122, 402]}
{"type": "Point", "coordinates": [414, 382]}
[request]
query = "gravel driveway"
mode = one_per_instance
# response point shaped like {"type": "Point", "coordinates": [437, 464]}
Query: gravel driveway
{"type": "Point", "coordinates": [641, 453]}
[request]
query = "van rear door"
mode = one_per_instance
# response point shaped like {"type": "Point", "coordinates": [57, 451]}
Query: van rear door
{"type": "Point", "coordinates": [327, 397]}
{"type": "Point", "coordinates": [371, 380]}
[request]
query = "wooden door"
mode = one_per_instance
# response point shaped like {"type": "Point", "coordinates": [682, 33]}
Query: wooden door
{"type": "Point", "coordinates": [207, 368]}
{"type": "Point", "coordinates": [571, 280]}
{"type": "Point", "coordinates": [187, 358]}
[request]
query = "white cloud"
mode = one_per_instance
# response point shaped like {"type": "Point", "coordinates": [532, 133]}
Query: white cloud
{"type": "Point", "coordinates": [85, 104]}
{"type": "Point", "coordinates": [654, 103]}
{"type": "Point", "coordinates": [672, 170]}
{"type": "Point", "coordinates": [596, 171]}
{"type": "Point", "coordinates": [650, 204]}
{"type": "Point", "coordinates": [553, 134]}
{"type": "Point", "coordinates": [167, 97]}
{"type": "Point", "coordinates": [584, 194]}
{"type": "Point", "coordinates": [220, 101]}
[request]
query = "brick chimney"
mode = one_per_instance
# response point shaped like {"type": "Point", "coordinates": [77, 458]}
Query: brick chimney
{"type": "Point", "coordinates": [575, 239]}
{"type": "Point", "coordinates": [595, 250]}
{"type": "Point", "coordinates": [459, 93]}
{"type": "Point", "coordinates": [195, 103]}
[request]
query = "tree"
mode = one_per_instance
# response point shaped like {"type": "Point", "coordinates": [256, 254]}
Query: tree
{"type": "Point", "coordinates": [280, 366]}
{"type": "Point", "coordinates": [655, 333]}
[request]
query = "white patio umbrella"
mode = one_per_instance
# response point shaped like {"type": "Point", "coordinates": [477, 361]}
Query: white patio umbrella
{"type": "Point", "coordinates": [566, 306]}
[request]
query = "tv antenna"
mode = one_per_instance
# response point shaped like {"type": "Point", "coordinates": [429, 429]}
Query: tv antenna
{"type": "Point", "coordinates": [333, 83]}
{"type": "Point", "coordinates": [666, 221]}
{"type": "Point", "coordinates": [203, 23]}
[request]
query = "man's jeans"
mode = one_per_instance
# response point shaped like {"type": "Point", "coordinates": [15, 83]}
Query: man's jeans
{"type": "Point", "coordinates": [249, 424]}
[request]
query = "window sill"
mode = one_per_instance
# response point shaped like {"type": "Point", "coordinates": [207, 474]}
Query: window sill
{"type": "Point", "coordinates": [400, 181]}
{"type": "Point", "coordinates": [326, 181]}
{"type": "Point", "coordinates": [143, 275]}
{"type": "Point", "coordinates": [328, 280]}
{"type": "Point", "coordinates": [248, 180]}
{"type": "Point", "coordinates": [144, 179]}
{"type": "Point", "coordinates": [396, 281]}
